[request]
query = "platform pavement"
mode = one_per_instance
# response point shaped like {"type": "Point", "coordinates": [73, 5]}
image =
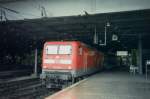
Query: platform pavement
{"type": "Point", "coordinates": [107, 85]}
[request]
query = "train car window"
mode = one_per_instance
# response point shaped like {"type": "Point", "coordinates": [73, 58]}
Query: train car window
{"type": "Point", "coordinates": [51, 49]}
{"type": "Point", "coordinates": [92, 53]}
{"type": "Point", "coordinates": [65, 49]}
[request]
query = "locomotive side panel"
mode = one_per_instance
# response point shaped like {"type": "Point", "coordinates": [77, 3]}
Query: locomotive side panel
{"type": "Point", "coordinates": [88, 60]}
{"type": "Point", "coordinates": [80, 62]}
{"type": "Point", "coordinates": [92, 58]}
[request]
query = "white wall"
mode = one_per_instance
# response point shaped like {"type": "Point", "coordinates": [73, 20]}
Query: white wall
{"type": "Point", "coordinates": [54, 8]}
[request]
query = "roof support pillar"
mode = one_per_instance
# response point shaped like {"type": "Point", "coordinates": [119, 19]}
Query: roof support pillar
{"type": "Point", "coordinates": [35, 63]}
{"type": "Point", "coordinates": [140, 55]}
{"type": "Point", "coordinates": [95, 36]}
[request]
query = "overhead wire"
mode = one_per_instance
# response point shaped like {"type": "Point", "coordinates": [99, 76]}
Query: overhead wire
{"type": "Point", "coordinates": [12, 16]}
{"type": "Point", "coordinates": [25, 15]}
{"type": "Point", "coordinates": [22, 14]}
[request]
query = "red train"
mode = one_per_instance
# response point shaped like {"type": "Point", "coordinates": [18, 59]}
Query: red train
{"type": "Point", "coordinates": [65, 61]}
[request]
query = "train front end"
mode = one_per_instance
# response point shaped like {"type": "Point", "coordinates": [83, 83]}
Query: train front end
{"type": "Point", "coordinates": [57, 63]}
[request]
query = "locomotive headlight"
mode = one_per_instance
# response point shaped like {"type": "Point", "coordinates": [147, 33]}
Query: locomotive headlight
{"type": "Point", "coordinates": [44, 67]}
{"type": "Point", "coordinates": [69, 67]}
{"type": "Point", "coordinates": [51, 61]}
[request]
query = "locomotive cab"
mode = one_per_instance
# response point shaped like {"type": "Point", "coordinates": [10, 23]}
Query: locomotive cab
{"type": "Point", "coordinates": [57, 62]}
{"type": "Point", "coordinates": [57, 57]}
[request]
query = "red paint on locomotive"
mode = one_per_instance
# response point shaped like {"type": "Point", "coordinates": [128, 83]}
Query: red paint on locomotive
{"type": "Point", "coordinates": [71, 56]}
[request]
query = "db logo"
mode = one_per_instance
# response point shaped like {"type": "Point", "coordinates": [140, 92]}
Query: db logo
{"type": "Point", "coordinates": [56, 61]}
{"type": "Point", "coordinates": [57, 57]}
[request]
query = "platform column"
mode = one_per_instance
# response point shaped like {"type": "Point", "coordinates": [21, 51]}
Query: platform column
{"type": "Point", "coordinates": [140, 55]}
{"type": "Point", "coordinates": [35, 63]}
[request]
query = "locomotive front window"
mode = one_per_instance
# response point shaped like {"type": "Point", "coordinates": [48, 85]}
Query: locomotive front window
{"type": "Point", "coordinates": [65, 49]}
{"type": "Point", "coordinates": [51, 49]}
{"type": "Point", "coordinates": [58, 49]}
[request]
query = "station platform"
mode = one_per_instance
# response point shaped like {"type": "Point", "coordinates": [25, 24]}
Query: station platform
{"type": "Point", "coordinates": [107, 85]}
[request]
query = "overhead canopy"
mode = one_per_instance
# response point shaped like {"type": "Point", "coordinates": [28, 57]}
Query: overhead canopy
{"type": "Point", "coordinates": [129, 26]}
{"type": "Point", "coordinates": [6, 1]}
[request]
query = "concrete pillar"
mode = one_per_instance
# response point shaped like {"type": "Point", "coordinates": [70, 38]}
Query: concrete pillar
{"type": "Point", "coordinates": [95, 36]}
{"type": "Point", "coordinates": [35, 63]}
{"type": "Point", "coordinates": [140, 55]}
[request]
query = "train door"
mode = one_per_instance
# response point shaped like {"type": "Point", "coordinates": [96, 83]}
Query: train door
{"type": "Point", "coordinates": [85, 61]}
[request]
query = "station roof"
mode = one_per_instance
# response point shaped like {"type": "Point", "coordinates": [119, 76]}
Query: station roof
{"type": "Point", "coordinates": [128, 25]}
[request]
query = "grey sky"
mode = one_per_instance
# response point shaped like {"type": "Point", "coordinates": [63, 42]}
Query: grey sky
{"type": "Point", "coordinates": [54, 8]}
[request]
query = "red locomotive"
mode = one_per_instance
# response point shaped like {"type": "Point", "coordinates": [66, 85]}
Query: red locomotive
{"type": "Point", "coordinates": [65, 61]}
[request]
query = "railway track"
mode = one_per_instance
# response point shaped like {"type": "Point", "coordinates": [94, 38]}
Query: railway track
{"type": "Point", "coordinates": [37, 91]}
{"type": "Point", "coordinates": [8, 87]}
{"type": "Point", "coordinates": [25, 89]}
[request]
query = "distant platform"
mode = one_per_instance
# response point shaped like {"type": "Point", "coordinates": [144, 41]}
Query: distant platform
{"type": "Point", "coordinates": [18, 79]}
{"type": "Point", "coordinates": [114, 85]}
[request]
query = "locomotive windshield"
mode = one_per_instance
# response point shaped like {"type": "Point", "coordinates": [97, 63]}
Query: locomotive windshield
{"type": "Point", "coordinates": [58, 49]}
